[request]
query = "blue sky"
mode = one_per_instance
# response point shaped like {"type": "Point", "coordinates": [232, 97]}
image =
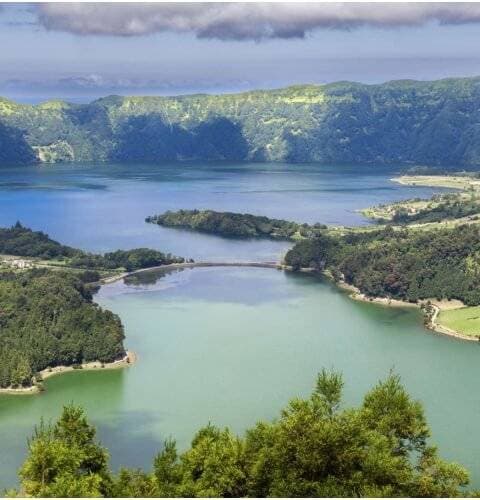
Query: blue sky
{"type": "Point", "coordinates": [64, 51]}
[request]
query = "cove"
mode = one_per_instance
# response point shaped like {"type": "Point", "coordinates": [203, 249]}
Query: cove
{"type": "Point", "coordinates": [231, 346]}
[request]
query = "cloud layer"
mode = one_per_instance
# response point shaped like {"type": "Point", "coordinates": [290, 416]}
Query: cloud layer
{"type": "Point", "coordinates": [244, 21]}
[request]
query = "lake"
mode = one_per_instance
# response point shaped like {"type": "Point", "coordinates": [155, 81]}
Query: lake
{"type": "Point", "coordinates": [227, 345]}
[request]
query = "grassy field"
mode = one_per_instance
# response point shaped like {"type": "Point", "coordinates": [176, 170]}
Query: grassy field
{"type": "Point", "coordinates": [465, 320]}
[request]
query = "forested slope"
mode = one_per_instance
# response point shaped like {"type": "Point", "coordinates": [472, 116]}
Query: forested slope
{"type": "Point", "coordinates": [47, 318]}
{"type": "Point", "coordinates": [22, 241]}
{"type": "Point", "coordinates": [404, 264]}
{"type": "Point", "coordinates": [403, 121]}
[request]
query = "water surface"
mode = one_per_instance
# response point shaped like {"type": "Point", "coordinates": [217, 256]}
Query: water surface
{"type": "Point", "coordinates": [227, 345]}
{"type": "Point", "coordinates": [232, 346]}
{"type": "Point", "coordinates": [103, 207]}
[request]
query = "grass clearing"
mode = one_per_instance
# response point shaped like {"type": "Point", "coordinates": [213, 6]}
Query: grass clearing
{"type": "Point", "coordinates": [465, 320]}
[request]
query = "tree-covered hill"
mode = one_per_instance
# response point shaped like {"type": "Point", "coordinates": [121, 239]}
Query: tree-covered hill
{"type": "Point", "coordinates": [22, 241]}
{"type": "Point", "coordinates": [404, 264]}
{"type": "Point", "coordinates": [47, 318]}
{"type": "Point", "coordinates": [402, 121]}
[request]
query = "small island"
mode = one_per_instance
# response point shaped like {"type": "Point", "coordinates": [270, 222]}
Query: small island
{"type": "Point", "coordinates": [235, 225]}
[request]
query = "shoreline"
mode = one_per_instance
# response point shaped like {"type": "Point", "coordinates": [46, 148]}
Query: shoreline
{"type": "Point", "coordinates": [354, 292]}
{"type": "Point", "coordinates": [128, 360]}
{"type": "Point", "coordinates": [439, 328]}
{"type": "Point", "coordinates": [432, 325]}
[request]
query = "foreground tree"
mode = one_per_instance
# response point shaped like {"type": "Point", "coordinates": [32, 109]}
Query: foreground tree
{"type": "Point", "coordinates": [316, 448]}
{"type": "Point", "coordinates": [64, 460]}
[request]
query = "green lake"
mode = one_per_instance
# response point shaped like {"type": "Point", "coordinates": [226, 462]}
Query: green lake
{"type": "Point", "coordinates": [228, 345]}
{"type": "Point", "coordinates": [233, 345]}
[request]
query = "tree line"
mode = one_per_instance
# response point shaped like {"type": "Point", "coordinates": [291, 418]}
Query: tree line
{"type": "Point", "coordinates": [405, 263]}
{"type": "Point", "coordinates": [316, 448]}
{"type": "Point", "coordinates": [22, 241]}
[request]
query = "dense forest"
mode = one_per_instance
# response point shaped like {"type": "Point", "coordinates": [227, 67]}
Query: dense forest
{"type": "Point", "coordinates": [21, 241]}
{"type": "Point", "coordinates": [230, 224]}
{"type": "Point", "coordinates": [405, 264]}
{"type": "Point", "coordinates": [14, 149]}
{"type": "Point", "coordinates": [47, 318]}
{"type": "Point", "coordinates": [316, 448]}
{"type": "Point", "coordinates": [433, 123]}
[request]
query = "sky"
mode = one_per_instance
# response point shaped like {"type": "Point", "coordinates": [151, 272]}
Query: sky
{"type": "Point", "coordinates": [84, 51]}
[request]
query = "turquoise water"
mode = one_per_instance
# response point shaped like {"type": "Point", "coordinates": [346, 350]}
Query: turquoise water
{"type": "Point", "coordinates": [227, 345]}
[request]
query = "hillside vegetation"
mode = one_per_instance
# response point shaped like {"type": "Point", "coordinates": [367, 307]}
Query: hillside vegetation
{"type": "Point", "coordinates": [47, 318]}
{"type": "Point", "coordinates": [22, 241]}
{"type": "Point", "coordinates": [405, 264]}
{"type": "Point", "coordinates": [403, 121]}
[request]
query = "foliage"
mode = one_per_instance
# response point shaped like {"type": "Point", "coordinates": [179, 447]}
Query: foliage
{"type": "Point", "coordinates": [19, 240]}
{"type": "Point", "coordinates": [235, 225]}
{"type": "Point", "coordinates": [136, 258]}
{"type": "Point", "coordinates": [22, 241]}
{"type": "Point", "coordinates": [64, 460]}
{"type": "Point", "coordinates": [47, 318]}
{"type": "Point", "coordinates": [433, 123]}
{"type": "Point", "coordinates": [405, 264]}
{"type": "Point", "coordinates": [317, 448]}
{"type": "Point", "coordinates": [449, 207]}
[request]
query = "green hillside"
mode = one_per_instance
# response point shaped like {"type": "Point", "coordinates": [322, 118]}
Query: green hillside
{"type": "Point", "coordinates": [403, 121]}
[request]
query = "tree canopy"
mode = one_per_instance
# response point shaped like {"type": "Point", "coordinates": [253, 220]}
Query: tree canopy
{"type": "Point", "coordinates": [404, 264]}
{"type": "Point", "coordinates": [22, 241]}
{"type": "Point", "coordinates": [235, 225]}
{"type": "Point", "coordinates": [316, 448]}
{"type": "Point", "coordinates": [48, 318]}
{"type": "Point", "coordinates": [407, 122]}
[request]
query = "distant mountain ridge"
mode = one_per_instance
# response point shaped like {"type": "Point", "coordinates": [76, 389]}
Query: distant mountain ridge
{"type": "Point", "coordinates": [406, 121]}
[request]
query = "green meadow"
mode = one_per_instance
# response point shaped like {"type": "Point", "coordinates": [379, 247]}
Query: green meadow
{"type": "Point", "coordinates": [465, 320]}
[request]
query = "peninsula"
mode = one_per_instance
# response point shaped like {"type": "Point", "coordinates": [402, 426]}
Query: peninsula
{"type": "Point", "coordinates": [49, 322]}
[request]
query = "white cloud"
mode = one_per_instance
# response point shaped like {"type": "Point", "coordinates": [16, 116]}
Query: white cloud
{"type": "Point", "coordinates": [244, 21]}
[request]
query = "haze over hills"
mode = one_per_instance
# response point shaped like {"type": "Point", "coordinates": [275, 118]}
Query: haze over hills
{"type": "Point", "coordinates": [401, 121]}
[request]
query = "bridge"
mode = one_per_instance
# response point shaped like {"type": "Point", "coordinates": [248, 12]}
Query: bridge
{"type": "Point", "coordinates": [184, 265]}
